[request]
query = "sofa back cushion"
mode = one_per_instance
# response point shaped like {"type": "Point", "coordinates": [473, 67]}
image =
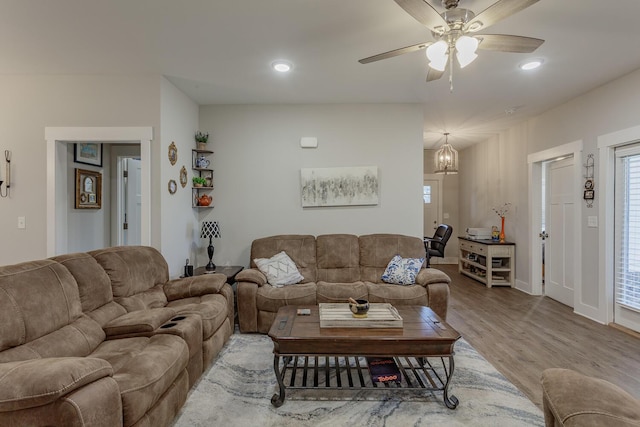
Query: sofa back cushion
{"type": "Point", "coordinates": [338, 258]}
{"type": "Point", "coordinates": [94, 287]}
{"type": "Point", "coordinates": [300, 248]}
{"type": "Point", "coordinates": [376, 250]}
{"type": "Point", "coordinates": [36, 299]}
{"type": "Point", "coordinates": [133, 269]}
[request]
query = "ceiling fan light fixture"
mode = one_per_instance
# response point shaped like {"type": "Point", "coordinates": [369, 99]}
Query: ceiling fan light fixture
{"type": "Point", "coordinates": [466, 50]}
{"type": "Point", "coordinates": [437, 55]}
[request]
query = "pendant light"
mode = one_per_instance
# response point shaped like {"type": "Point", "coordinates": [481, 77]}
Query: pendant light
{"type": "Point", "coordinates": [446, 158]}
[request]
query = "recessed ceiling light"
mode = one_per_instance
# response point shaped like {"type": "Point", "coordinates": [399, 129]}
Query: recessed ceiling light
{"type": "Point", "coordinates": [281, 66]}
{"type": "Point", "coordinates": [531, 64]}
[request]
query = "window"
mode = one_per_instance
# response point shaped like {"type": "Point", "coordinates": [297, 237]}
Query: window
{"type": "Point", "coordinates": [426, 194]}
{"type": "Point", "coordinates": [627, 228]}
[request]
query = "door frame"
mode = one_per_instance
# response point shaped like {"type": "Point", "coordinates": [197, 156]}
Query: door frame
{"type": "Point", "coordinates": [607, 145]}
{"type": "Point", "coordinates": [535, 161]}
{"type": "Point", "coordinates": [57, 139]}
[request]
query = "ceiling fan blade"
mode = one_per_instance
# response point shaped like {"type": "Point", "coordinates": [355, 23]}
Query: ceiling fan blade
{"type": "Point", "coordinates": [396, 52]}
{"type": "Point", "coordinates": [433, 74]}
{"type": "Point", "coordinates": [425, 14]}
{"type": "Point", "coordinates": [508, 43]}
{"type": "Point", "coordinates": [496, 12]}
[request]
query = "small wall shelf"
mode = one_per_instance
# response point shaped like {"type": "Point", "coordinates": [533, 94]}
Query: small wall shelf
{"type": "Point", "coordinates": [203, 172]}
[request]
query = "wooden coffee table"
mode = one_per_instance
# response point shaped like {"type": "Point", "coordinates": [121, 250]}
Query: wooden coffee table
{"type": "Point", "coordinates": [307, 356]}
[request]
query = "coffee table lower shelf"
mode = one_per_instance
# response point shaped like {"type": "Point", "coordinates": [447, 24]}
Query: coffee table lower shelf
{"type": "Point", "coordinates": [333, 372]}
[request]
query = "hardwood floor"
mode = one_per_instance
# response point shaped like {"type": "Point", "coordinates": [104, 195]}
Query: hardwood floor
{"type": "Point", "coordinates": [522, 335]}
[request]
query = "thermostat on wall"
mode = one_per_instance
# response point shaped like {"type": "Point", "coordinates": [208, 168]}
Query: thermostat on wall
{"type": "Point", "coordinates": [308, 142]}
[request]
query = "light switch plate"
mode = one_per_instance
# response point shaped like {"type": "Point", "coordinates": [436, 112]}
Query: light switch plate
{"type": "Point", "coordinates": [592, 221]}
{"type": "Point", "coordinates": [22, 222]}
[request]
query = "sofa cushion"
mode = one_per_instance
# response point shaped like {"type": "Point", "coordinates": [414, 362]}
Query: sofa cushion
{"type": "Point", "coordinates": [212, 309]}
{"type": "Point", "coordinates": [402, 271]}
{"type": "Point", "coordinates": [50, 302]}
{"type": "Point", "coordinates": [139, 321]}
{"type": "Point", "coordinates": [398, 295]}
{"type": "Point", "coordinates": [30, 383]}
{"type": "Point", "coordinates": [341, 292]}
{"type": "Point", "coordinates": [300, 248]}
{"type": "Point", "coordinates": [144, 368]}
{"type": "Point", "coordinates": [280, 270]}
{"type": "Point", "coordinates": [271, 299]}
{"type": "Point", "coordinates": [93, 282]}
{"type": "Point", "coordinates": [151, 298]}
{"type": "Point", "coordinates": [132, 269]}
{"type": "Point", "coordinates": [376, 250]}
{"type": "Point", "coordinates": [338, 258]}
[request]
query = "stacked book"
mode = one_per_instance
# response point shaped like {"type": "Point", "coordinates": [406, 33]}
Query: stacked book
{"type": "Point", "coordinates": [383, 369]}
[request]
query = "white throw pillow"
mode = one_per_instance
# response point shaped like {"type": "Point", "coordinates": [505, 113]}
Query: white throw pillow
{"type": "Point", "coordinates": [279, 269]}
{"type": "Point", "coordinates": [402, 271]}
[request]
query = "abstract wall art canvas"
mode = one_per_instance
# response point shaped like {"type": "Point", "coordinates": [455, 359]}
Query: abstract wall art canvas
{"type": "Point", "coordinates": [345, 186]}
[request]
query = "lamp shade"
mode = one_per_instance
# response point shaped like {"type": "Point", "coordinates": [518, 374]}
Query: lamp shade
{"type": "Point", "coordinates": [466, 50]}
{"type": "Point", "coordinates": [446, 158]}
{"type": "Point", "coordinates": [437, 54]}
{"type": "Point", "coordinates": [210, 229]}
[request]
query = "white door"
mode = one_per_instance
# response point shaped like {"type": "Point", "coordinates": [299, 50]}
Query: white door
{"type": "Point", "coordinates": [132, 202]}
{"type": "Point", "coordinates": [430, 195]}
{"type": "Point", "coordinates": [559, 256]}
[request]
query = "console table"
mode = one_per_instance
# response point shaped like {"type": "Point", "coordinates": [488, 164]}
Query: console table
{"type": "Point", "coordinates": [489, 262]}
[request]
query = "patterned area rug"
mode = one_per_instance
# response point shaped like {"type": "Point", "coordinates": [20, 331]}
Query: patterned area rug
{"type": "Point", "coordinates": [237, 390]}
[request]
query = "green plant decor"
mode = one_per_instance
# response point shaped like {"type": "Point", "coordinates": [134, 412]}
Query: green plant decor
{"type": "Point", "coordinates": [199, 180]}
{"type": "Point", "coordinates": [202, 137]}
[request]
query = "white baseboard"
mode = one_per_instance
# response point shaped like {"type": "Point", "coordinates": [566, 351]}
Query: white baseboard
{"type": "Point", "coordinates": [438, 260]}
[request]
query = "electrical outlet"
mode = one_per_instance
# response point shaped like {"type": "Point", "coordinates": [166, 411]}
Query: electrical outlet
{"type": "Point", "coordinates": [22, 222]}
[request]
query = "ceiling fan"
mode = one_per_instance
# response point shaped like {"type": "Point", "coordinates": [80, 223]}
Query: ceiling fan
{"type": "Point", "coordinates": [454, 31]}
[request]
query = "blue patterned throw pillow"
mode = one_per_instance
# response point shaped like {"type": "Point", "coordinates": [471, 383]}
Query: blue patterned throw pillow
{"type": "Point", "coordinates": [402, 271]}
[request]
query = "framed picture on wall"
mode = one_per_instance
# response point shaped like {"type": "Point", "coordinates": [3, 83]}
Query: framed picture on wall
{"type": "Point", "coordinates": [89, 153]}
{"type": "Point", "coordinates": [88, 189]}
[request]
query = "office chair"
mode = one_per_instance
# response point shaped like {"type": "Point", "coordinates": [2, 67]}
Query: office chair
{"type": "Point", "coordinates": [434, 246]}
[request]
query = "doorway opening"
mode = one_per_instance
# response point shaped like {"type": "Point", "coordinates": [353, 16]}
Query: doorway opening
{"type": "Point", "coordinates": [58, 193]}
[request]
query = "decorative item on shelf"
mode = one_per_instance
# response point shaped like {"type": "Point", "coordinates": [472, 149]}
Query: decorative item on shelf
{"type": "Point", "coordinates": [495, 234]}
{"type": "Point", "coordinates": [502, 212]}
{"type": "Point", "coordinates": [7, 177]}
{"type": "Point", "coordinates": [173, 153]}
{"type": "Point", "coordinates": [183, 176]}
{"type": "Point", "coordinates": [172, 186]}
{"type": "Point", "coordinates": [202, 162]}
{"type": "Point", "coordinates": [210, 229]}
{"type": "Point", "coordinates": [198, 181]}
{"type": "Point", "coordinates": [446, 158]}
{"type": "Point", "coordinates": [205, 200]}
{"type": "Point", "coordinates": [358, 307]}
{"type": "Point", "coordinates": [589, 192]}
{"type": "Point", "coordinates": [201, 140]}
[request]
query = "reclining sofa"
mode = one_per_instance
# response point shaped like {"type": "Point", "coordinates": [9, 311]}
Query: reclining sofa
{"type": "Point", "coordinates": [335, 267]}
{"type": "Point", "coordinates": [104, 338]}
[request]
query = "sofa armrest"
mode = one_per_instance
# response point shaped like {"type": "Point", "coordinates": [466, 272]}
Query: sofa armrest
{"type": "Point", "coordinates": [139, 322]}
{"type": "Point", "coordinates": [30, 383]}
{"type": "Point", "coordinates": [572, 399]}
{"type": "Point", "coordinates": [252, 275]}
{"type": "Point", "coordinates": [438, 294]}
{"type": "Point", "coordinates": [427, 276]}
{"type": "Point", "coordinates": [194, 286]}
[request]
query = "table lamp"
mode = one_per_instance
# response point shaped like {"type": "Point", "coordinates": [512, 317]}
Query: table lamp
{"type": "Point", "coordinates": [210, 229]}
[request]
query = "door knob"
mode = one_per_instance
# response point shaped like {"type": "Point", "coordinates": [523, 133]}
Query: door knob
{"type": "Point", "coordinates": [543, 235]}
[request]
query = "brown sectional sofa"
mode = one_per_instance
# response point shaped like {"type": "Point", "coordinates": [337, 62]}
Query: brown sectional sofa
{"type": "Point", "coordinates": [105, 338]}
{"type": "Point", "coordinates": [335, 267]}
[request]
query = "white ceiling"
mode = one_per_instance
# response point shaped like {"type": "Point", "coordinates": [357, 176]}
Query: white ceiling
{"type": "Point", "coordinates": [219, 52]}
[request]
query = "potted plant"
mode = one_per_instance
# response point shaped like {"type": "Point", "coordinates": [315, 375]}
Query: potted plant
{"type": "Point", "coordinates": [198, 181]}
{"type": "Point", "coordinates": [201, 140]}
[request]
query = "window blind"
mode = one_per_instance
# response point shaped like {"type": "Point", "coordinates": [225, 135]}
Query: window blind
{"type": "Point", "coordinates": [627, 228]}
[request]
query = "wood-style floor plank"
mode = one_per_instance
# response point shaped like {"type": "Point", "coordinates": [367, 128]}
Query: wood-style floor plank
{"type": "Point", "coordinates": [522, 335]}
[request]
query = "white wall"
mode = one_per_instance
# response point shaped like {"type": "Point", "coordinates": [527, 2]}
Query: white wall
{"type": "Point", "coordinates": [257, 164]}
{"type": "Point", "coordinates": [31, 103]}
{"type": "Point", "coordinates": [179, 122]}
{"type": "Point", "coordinates": [496, 171]}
